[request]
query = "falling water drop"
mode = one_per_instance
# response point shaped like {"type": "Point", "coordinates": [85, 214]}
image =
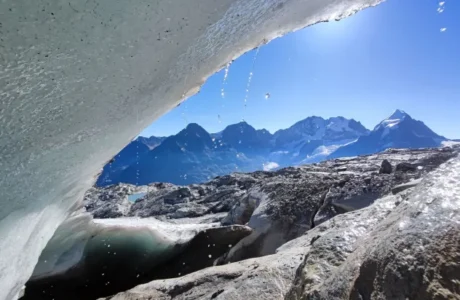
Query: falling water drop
{"type": "Point", "coordinates": [185, 119]}
{"type": "Point", "coordinates": [218, 118]}
{"type": "Point", "coordinates": [443, 29]}
{"type": "Point", "coordinates": [251, 73]}
{"type": "Point", "coordinates": [267, 95]}
{"type": "Point", "coordinates": [224, 81]}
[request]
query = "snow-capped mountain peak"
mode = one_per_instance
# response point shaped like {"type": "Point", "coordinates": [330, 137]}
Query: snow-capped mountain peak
{"type": "Point", "coordinates": [397, 131]}
{"type": "Point", "coordinates": [392, 121]}
{"type": "Point", "coordinates": [337, 124]}
{"type": "Point", "coordinates": [398, 114]}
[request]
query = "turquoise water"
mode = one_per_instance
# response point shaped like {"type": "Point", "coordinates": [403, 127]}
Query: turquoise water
{"type": "Point", "coordinates": [134, 197]}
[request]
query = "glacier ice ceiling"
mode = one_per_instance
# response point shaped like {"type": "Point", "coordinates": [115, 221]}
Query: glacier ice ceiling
{"type": "Point", "coordinates": [80, 79]}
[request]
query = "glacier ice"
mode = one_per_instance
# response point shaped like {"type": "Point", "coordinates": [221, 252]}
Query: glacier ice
{"type": "Point", "coordinates": [80, 236]}
{"type": "Point", "coordinates": [73, 74]}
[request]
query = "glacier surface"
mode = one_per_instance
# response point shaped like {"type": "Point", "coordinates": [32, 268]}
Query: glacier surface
{"type": "Point", "coordinates": [80, 79]}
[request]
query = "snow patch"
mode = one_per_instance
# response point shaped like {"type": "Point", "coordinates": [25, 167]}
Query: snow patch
{"type": "Point", "coordinates": [338, 124]}
{"type": "Point", "coordinates": [449, 143]}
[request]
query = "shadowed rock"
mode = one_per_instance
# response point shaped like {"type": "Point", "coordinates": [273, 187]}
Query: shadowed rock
{"type": "Point", "coordinates": [386, 167]}
{"type": "Point", "coordinates": [121, 266]}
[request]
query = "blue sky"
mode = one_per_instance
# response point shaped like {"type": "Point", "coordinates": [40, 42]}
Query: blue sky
{"type": "Point", "coordinates": [363, 67]}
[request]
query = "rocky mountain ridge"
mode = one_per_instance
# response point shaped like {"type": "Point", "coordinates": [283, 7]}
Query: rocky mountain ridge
{"type": "Point", "coordinates": [195, 156]}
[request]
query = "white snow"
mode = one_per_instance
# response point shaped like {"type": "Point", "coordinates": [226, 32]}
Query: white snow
{"type": "Point", "coordinates": [322, 152]}
{"type": "Point", "coordinates": [391, 122]}
{"type": "Point", "coordinates": [96, 76]}
{"type": "Point", "coordinates": [449, 143]}
{"type": "Point", "coordinates": [339, 124]}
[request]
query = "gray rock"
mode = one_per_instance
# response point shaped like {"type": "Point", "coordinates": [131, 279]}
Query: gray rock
{"type": "Point", "coordinates": [310, 226]}
{"type": "Point", "coordinates": [112, 201]}
{"type": "Point", "coordinates": [406, 167]}
{"type": "Point", "coordinates": [386, 167]}
{"type": "Point", "coordinates": [284, 204]}
{"type": "Point", "coordinates": [267, 277]}
{"type": "Point", "coordinates": [402, 246]}
{"type": "Point", "coordinates": [401, 187]}
{"type": "Point", "coordinates": [411, 254]}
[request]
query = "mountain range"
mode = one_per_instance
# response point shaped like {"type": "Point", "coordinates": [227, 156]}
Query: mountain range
{"type": "Point", "coordinates": [194, 155]}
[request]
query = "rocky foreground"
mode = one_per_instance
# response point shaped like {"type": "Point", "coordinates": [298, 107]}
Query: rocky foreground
{"type": "Point", "coordinates": [370, 227]}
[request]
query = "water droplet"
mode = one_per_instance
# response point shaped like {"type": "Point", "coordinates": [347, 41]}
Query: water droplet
{"type": "Point", "coordinates": [210, 256]}
{"type": "Point", "coordinates": [267, 95]}
{"type": "Point", "coordinates": [230, 246]}
{"type": "Point", "coordinates": [224, 81]}
{"type": "Point", "coordinates": [443, 29]}
{"type": "Point", "coordinates": [248, 85]}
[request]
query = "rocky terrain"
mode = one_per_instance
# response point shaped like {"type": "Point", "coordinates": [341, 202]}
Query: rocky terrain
{"type": "Point", "coordinates": [350, 228]}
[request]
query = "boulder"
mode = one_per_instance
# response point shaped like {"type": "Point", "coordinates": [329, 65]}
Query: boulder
{"type": "Point", "coordinates": [410, 254]}
{"type": "Point", "coordinates": [401, 187]}
{"type": "Point", "coordinates": [406, 167]}
{"type": "Point", "coordinates": [386, 167]}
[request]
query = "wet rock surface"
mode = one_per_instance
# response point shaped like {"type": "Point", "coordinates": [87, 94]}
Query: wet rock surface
{"type": "Point", "coordinates": [333, 230]}
{"type": "Point", "coordinates": [121, 267]}
{"type": "Point", "coordinates": [411, 254]}
{"type": "Point", "coordinates": [402, 246]}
